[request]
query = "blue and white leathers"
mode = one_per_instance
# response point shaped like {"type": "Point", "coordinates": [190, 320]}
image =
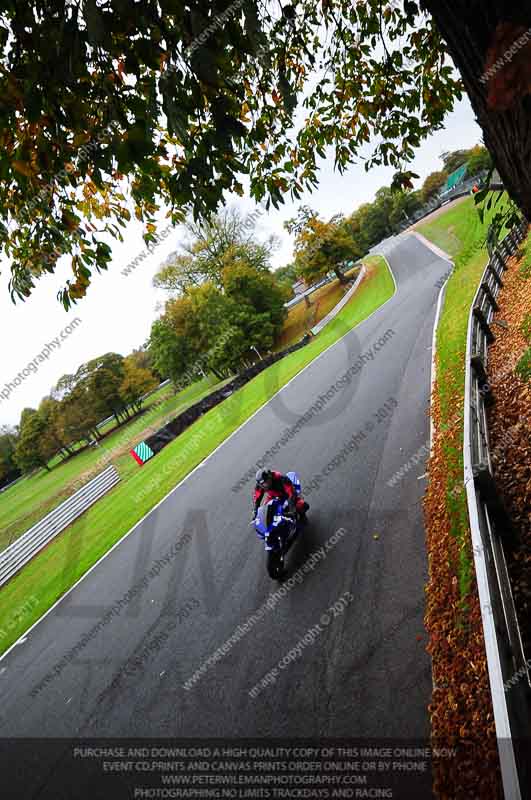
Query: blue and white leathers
{"type": "Point", "coordinates": [277, 530]}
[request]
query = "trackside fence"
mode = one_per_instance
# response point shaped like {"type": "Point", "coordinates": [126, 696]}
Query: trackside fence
{"type": "Point", "coordinates": [492, 534]}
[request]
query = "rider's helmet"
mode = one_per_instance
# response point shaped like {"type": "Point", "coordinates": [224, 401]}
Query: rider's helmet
{"type": "Point", "coordinates": [264, 478]}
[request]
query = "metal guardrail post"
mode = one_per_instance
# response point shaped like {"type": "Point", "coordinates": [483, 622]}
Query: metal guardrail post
{"type": "Point", "coordinates": [486, 288]}
{"type": "Point", "coordinates": [477, 364]}
{"type": "Point", "coordinates": [504, 249]}
{"type": "Point", "coordinates": [486, 486]}
{"type": "Point", "coordinates": [484, 325]}
{"type": "Point", "coordinates": [495, 274]}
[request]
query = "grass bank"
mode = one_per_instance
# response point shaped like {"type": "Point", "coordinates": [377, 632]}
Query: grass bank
{"type": "Point", "coordinates": [461, 707]}
{"type": "Point", "coordinates": [301, 318]}
{"type": "Point", "coordinates": [460, 232]}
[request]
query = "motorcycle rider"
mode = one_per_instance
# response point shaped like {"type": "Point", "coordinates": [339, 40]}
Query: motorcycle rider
{"type": "Point", "coordinates": [278, 485]}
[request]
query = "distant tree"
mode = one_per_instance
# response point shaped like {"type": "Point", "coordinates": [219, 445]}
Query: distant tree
{"type": "Point", "coordinates": [105, 385]}
{"type": "Point", "coordinates": [78, 419]}
{"type": "Point", "coordinates": [25, 414]}
{"type": "Point", "coordinates": [321, 247]}
{"type": "Point", "coordinates": [34, 448]}
{"type": "Point", "coordinates": [54, 437]}
{"type": "Point", "coordinates": [136, 382]}
{"type": "Point", "coordinates": [479, 160]}
{"type": "Point", "coordinates": [356, 227]}
{"type": "Point", "coordinates": [176, 342]}
{"type": "Point", "coordinates": [64, 386]}
{"type": "Point", "coordinates": [231, 347]}
{"type": "Point", "coordinates": [222, 325]}
{"type": "Point", "coordinates": [404, 205]}
{"type": "Point", "coordinates": [257, 311]}
{"type": "Point", "coordinates": [142, 358]}
{"type": "Point", "coordinates": [211, 246]}
{"type": "Point", "coordinates": [454, 159]}
{"type": "Point", "coordinates": [8, 442]}
{"type": "Point", "coordinates": [384, 200]}
{"type": "Point", "coordinates": [211, 328]}
{"type": "Point", "coordinates": [104, 376]}
{"type": "Point", "coordinates": [168, 349]}
{"type": "Point", "coordinates": [433, 183]}
{"type": "Point", "coordinates": [90, 395]}
{"type": "Point", "coordinates": [287, 276]}
{"type": "Point", "coordinates": [78, 415]}
{"type": "Point", "coordinates": [376, 223]}
{"type": "Point", "coordinates": [259, 289]}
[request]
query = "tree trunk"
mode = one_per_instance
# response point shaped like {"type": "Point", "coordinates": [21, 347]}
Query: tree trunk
{"type": "Point", "coordinates": [468, 30]}
{"type": "Point", "coordinates": [341, 278]}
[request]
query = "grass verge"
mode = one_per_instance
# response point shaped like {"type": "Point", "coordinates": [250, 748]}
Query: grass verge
{"type": "Point", "coordinates": [462, 234]}
{"type": "Point", "coordinates": [461, 707]}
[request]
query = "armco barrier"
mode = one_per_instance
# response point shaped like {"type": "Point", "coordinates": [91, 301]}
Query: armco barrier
{"type": "Point", "coordinates": [337, 308]}
{"type": "Point", "coordinates": [30, 543]}
{"type": "Point", "coordinates": [491, 531]}
{"type": "Point", "coordinates": [310, 290]}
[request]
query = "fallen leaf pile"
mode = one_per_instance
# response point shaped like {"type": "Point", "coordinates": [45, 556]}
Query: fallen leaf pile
{"type": "Point", "coordinates": [509, 422]}
{"type": "Point", "coordinates": [461, 709]}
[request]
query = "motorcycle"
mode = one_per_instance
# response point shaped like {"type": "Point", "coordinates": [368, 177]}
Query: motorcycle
{"type": "Point", "coordinates": [277, 529]}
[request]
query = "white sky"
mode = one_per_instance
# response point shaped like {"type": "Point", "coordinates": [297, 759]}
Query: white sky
{"type": "Point", "coordinates": [118, 311]}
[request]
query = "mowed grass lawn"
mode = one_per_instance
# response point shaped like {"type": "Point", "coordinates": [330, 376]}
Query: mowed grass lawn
{"type": "Point", "coordinates": [65, 560]}
{"type": "Point", "coordinates": [459, 230]}
{"type": "Point", "coordinates": [28, 501]}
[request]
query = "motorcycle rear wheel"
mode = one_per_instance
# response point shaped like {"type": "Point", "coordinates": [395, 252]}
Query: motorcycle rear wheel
{"type": "Point", "coordinates": [275, 565]}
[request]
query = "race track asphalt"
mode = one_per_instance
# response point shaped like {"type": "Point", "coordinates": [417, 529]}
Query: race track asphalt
{"type": "Point", "coordinates": [366, 672]}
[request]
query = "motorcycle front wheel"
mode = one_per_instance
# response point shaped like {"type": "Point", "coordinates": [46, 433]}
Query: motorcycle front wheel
{"type": "Point", "coordinates": [275, 565]}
